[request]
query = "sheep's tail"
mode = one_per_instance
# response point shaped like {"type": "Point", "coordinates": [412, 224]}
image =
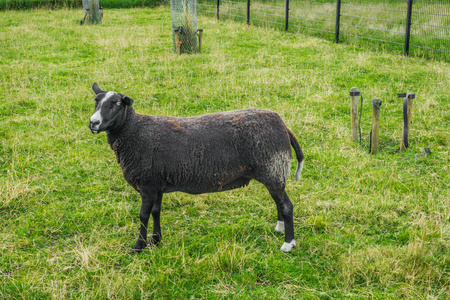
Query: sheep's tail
{"type": "Point", "coordinates": [298, 152]}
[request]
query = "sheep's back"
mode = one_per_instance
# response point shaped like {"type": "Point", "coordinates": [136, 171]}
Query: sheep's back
{"type": "Point", "coordinates": [209, 152]}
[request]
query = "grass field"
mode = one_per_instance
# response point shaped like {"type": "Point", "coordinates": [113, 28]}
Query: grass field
{"type": "Point", "coordinates": [367, 226]}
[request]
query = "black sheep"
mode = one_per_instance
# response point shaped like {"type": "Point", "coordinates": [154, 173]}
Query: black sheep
{"type": "Point", "coordinates": [209, 153]}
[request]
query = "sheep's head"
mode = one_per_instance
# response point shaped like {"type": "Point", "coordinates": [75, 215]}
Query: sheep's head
{"type": "Point", "coordinates": [110, 110]}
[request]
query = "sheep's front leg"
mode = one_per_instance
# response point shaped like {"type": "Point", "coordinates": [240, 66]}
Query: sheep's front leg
{"type": "Point", "coordinates": [148, 201]}
{"type": "Point", "coordinates": [156, 210]}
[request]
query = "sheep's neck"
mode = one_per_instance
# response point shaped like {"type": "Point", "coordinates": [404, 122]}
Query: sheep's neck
{"type": "Point", "coordinates": [128, 120]}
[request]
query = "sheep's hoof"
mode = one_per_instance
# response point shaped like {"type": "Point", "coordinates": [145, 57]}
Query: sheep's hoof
{"type": "Point", "coordinates": [155, 240]}
{"type": "Point", "coordinates": [138, 247]}
{"type": "Point", "coordinates": [279, 229]}
{"type": "Point", "coordinates": [288, 246]}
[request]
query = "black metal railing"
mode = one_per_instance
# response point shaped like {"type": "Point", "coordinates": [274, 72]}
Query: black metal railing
{"type": "Point", "coordinates": [411, 27]}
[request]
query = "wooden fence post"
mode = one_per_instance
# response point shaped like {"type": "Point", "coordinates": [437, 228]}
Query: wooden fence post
{"type": "Point", "coordinates": [177, 40]}
{"type": "Point", "coordinates": [376, 103]}
{"type": "Point", "coordinates": [354, 93]}
{"type": "Point", "coordinates": [407, 114]}
{"type": "Point", "coordinates": [200, 34]}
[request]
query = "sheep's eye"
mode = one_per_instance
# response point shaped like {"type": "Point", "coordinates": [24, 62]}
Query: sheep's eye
{"type": "Point", "coordinates": [118, 103]}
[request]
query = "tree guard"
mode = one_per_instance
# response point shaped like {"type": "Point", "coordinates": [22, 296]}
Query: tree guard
{"type": "Point", "coordinates": [184, 26]}
{"type": "Point", "coordinates": [93, 13]}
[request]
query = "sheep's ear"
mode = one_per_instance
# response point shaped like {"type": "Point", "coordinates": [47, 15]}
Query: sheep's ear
{"type": "Point", "coordinates": [127, 100]}
{"type": "Point", "coordinates": [97, 90]}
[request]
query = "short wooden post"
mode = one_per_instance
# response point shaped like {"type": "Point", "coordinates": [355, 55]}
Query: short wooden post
{"type": "Point", "coordinates": [354, 93]}
{"type": "Point", "coordinates": [177, 40]}
{"type": "Point", "coordinates": [376, 103]}
{"type": "Point", "coordinates": [407, 114]}
{"type": "Point", "coordinates": [200, 34]}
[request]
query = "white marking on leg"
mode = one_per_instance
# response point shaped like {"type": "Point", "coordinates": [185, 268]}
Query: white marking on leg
{"type": "Point", "coordinates": [280, 226]}
{"type": "Point", "coordinates": [97, 116]}
{"type": "Point", "coordinates": [288, 246]}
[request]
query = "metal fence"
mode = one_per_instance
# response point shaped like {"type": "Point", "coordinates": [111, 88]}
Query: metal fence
{"type": "Point", "coordinates": [411, 27]}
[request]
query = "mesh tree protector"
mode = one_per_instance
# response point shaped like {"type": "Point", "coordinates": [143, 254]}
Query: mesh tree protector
{"type": "Point", "coordinates": [184, 26]}
{"type": "Point", "coordinates": [93, 13]}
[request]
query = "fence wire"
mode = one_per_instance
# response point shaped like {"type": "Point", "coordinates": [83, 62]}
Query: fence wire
{"type": "Point", "coordinates": [380, 24]}
{"type": "Point", "coordinates": [430, 28]}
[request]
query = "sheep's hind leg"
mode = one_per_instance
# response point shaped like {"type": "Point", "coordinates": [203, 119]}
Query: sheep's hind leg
{"type": "Point", "coordinates": [285, 209]}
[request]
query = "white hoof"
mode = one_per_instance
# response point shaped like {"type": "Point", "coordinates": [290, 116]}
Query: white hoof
{"type": "Point", "coordinates": [288, 246]}
{"type": "Point", "coordinates": [280, 227]}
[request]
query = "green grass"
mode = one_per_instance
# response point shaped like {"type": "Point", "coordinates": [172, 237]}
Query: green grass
{"type": "Point", "coordinates": [366, 226]}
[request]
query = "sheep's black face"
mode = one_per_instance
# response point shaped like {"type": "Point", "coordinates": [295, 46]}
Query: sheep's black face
{"type": "Point", "coordinates": [110, 109]}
